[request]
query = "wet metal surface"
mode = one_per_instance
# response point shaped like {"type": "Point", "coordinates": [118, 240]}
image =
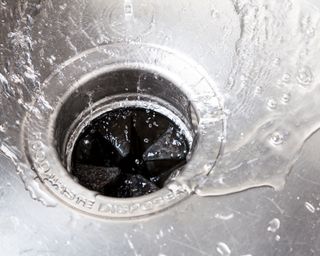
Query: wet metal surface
{"type": "Point", "coordinates": [128, 152]}
{"type": "Point", "coordinates": [260, 60]}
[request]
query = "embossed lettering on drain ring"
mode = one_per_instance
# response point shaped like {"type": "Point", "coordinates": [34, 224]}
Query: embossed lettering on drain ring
{"type": "Point", "coordinates": [192, 95]}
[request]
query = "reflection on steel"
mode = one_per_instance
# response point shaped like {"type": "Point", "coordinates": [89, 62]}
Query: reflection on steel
{"type": "Point", "coordinates": [239, 78]}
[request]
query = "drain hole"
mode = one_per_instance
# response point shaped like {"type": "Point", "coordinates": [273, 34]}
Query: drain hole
{"type": "Point", "coordinates": [128, 152]}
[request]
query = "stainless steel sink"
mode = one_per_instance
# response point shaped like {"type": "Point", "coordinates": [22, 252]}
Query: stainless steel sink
{"type": "Point", "coordinates": [238, 78]}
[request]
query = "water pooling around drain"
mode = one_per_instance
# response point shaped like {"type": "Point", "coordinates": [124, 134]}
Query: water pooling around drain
{"type": "Point", "coordinates": [128, 152]}
{"type": "Point", "coordinates": [270, 102]}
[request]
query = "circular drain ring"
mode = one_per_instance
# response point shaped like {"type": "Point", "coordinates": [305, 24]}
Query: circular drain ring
{"type": "Point", "coordinates": [38, 134]}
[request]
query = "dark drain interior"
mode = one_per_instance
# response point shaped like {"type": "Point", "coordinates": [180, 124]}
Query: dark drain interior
{"type": "Point", "coordinates": [128, 152]}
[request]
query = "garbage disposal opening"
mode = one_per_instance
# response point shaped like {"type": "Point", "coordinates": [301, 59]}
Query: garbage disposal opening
{"type": "Point", "coordinates": [125, 133]}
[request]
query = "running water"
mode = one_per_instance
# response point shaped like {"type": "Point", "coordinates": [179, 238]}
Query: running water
{"type": "Point", "coordinates": [271, 100]}
{"type": "Point", "coordinates": [19, 86]}
{"type": "Point", "coordinates": [272, 96]}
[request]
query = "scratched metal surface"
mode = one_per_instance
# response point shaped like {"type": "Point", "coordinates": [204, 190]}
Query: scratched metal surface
{"type": "Point", "coordinates": [259, 221]}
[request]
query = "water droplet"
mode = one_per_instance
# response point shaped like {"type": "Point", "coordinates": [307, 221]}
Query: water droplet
{"type": "Point", "coordinates": [310, 207]}
{"type": "Point", "coordinates": [274, 225]}
{"type": "Point", "coordinates": [277, 138]}
{"type": "Point", "coordinates": [277, 238]}
{"type": "Point", "coordinates": [146, 140]}
{"type": "Point", "coordinates": [224, 216]}
{"type": "Point", "coordinates": [231, 82]}
{"type": "Point", "coordinates": [223, 249]}
{"type": "Point", "coordinates": [258, 90]}
{"type": "Point", "coordinates": [151, 154]}
{"type": "Point", "coordinates": [304, 76]}
{"type": "Point", "coordinates": [286, 78]}
{"type": "Point", "coordinates": [306, 26]}
{"type": "Point", "coordinates": [310, 32]}
{"type": "Point", "coordinates": [286, 97]}
{"type": "Point", "coordinates": [221, 138]}
{"type": "Point", "coordinates": [276, 62]}
{"type": "Point", "coordinates": [3, 128]}
{"type": "Point", "coordinates": [272, 104]}
{"type": "Point", "coordinates": [214, 13]}
{"type": "Point", "coordinates": [63, 6]}
{"type": "Point", "coordinates": [3, 3]}
{"type": "Point", "coordinates": [128, 8]}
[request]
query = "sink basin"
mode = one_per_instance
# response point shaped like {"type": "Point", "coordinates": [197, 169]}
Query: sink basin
{"type": "Point", "coordinates": [226, 161]}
